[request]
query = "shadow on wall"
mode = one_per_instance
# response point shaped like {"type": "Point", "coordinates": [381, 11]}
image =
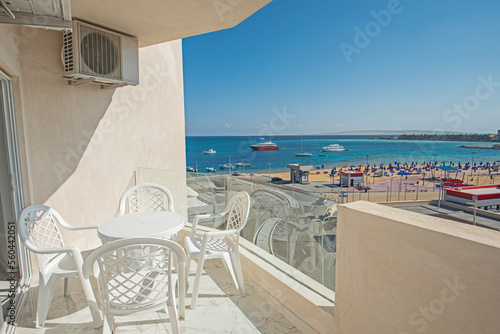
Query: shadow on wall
{"type": "Point", "coordinates": [61, 122]}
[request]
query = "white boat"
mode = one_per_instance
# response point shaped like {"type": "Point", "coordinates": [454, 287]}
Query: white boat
{"type": "Point", "coordinates": [191, 169]}
{"type": "Point", "coordinates": [226, 166]}
{"type": "Point", "coordinates": [243, 164]}
{"type": "Point", "coordinates": [210, 151]}
{"type": "Point", "coordinates": [333, 148]}
{"type": "Point", "coordinates": [210, 169]}
{"type": "Point", "coordinates": [302, 153]}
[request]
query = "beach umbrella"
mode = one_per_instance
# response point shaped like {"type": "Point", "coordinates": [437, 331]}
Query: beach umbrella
{"type": "Point", "coordinates": [448, 169]}
{"type": "Point", "coordinates": [403, 173]}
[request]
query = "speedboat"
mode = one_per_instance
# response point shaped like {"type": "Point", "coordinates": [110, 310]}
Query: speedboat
{"type": "Point", "coordinates": [210, 151]}
{"type": "Point", "coordinates": [333, 148]}
{"type": "Point", "coordinates": [210, 169]}
{"type": "Point", "coordinates": [243, 164]}
{"type": "Point", "coordinates": [191, 169]}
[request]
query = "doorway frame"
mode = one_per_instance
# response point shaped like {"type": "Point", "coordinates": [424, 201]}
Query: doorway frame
{"type": "Point", "coordinates": [17, 193]}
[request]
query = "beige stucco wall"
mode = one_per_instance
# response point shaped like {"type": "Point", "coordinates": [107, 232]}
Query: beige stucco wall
{"type": "Point", "coordinates": [402, 272]}
{"type": "Point", "coordinates": [82, 144]}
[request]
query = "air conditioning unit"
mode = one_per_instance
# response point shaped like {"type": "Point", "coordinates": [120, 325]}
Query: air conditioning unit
{"type": "Point", "coordinates": [95, 55]}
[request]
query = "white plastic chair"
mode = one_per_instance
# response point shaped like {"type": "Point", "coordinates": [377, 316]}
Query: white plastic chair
{"type": "Point", "coordinates": [146, 197]}
{"type": "Point", "coordinates": [219, 244]}
{"type": "Point", "coordinates": [136, 276]}
{"type": "Point", "coordinates": [38, 230]}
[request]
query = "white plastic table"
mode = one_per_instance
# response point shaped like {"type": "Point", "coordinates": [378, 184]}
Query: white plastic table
{"type": "Point", "coordinates": [154, 224]}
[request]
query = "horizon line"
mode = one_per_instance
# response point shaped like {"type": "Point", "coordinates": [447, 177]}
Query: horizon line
{"type": "Point", "coordinates": [348, 133]}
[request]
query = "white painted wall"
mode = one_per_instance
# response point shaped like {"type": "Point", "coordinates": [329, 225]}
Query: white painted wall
{"type": "Point", "coordinates": [80, 145]}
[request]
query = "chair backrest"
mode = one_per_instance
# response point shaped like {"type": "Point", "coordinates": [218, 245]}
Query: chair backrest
{"type": "Point", "coordinates": [135, 274]}
{"type": "Point", "coordinates": [146, 197]}
{"type": "Point", "coordinates": [238, 209]}
{"type": "Point", "coordinates": [38, 229]}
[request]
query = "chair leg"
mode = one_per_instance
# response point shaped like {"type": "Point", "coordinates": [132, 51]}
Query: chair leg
{"type": "Point", "coordinates": [196, 286]}
{"type": "Point", "coordinates": [89, 294]}
{"type": "Point", "coordinates": [68, 286]}
{"type": "Point", "coordinates": [172, 313]}
{"type": "Point", "coordinates": [108, 326]}
{"type": "Point", "coordinates": [1, 319]}
{"type": "Point", "coordinates": [235, 260]}
{"type": "Point", "coordinates": [225, 263]}
{"type": "Point", "coordinates": [188, 265]}
{"type": "Point", "coordinates": [228, 263]}
{"type": "Point", "coordinates": [45, 293]}
{"type": "Point", "coordinates": [181, 285]}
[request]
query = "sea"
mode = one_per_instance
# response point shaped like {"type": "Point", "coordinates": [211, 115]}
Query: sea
{"type": "Point", "coordinates": [361, 150]}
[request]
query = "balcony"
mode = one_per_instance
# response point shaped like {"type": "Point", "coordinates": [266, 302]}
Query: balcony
{"type": "Point", "coordinates": [264, 309]}
{"type": "Point", "coordinates": [392, 271]}
{"type": "Point", "coordinates": [276, 292]}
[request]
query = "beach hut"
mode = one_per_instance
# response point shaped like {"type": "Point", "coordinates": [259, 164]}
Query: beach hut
{"type": "Point", "coordinates": [299, 173]}
{"type": "Point", "coordinates": [351, 179]}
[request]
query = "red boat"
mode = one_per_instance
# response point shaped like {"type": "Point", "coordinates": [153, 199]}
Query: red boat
{"type": "Point", "coordinates": [267, 146]}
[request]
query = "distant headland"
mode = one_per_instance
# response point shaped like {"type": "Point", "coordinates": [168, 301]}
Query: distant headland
{"type": "Point", "coordinates": [490, 137]}
{"type": "Point", "coordinates": [388, 133]}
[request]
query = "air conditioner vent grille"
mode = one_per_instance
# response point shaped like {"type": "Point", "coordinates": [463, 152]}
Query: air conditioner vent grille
{"type": "Point", "coordinates": [100, 53]}
{"type": "Point", "coordinates": [91, 54]}
{"type": "Point", "coordinates": [68, 51]}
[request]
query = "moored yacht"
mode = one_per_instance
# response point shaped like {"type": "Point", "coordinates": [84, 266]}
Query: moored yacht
{"type": "Point", "coordinates": [333, 148]}
{"type": "Point", "coordinates": [226, 166]}
{"type": "Point", "coordinates": [302, 153]}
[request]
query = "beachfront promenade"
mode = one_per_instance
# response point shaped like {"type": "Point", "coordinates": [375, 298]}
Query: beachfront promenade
{"type": "Point", "coordinates": [389, 188]}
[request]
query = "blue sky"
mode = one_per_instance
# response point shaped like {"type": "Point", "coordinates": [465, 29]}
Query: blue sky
{"type": "Point", "coordinates": [326, 66]}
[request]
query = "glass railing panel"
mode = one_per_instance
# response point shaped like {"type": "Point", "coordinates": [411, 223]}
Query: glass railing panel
{"type": "Point", "coordinates": [295, 227]}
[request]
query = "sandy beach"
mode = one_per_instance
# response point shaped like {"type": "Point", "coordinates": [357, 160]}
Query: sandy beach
{"type": "Point", "coordinates": [396, 187]}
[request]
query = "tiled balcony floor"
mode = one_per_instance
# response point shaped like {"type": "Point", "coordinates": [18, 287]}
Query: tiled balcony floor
{"type": "Point", "coordinates": [220, 309]}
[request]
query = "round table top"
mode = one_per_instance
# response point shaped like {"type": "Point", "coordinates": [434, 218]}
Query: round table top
{"type": "Point", "coordinates": [153, 224]}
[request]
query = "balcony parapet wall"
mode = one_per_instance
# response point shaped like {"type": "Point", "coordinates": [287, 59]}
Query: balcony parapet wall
{"type": "Point", "coordinates": [402, 272]}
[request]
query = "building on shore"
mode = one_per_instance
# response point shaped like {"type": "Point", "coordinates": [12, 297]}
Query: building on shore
{"type": "Point", "coordinates": [351, 179]}
{"type": "Point", "coordinates": [299, 173]}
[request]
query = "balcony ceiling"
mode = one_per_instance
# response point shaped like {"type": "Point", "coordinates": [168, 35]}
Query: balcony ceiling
{"type": "Point", "coordinates": [157, 21]}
